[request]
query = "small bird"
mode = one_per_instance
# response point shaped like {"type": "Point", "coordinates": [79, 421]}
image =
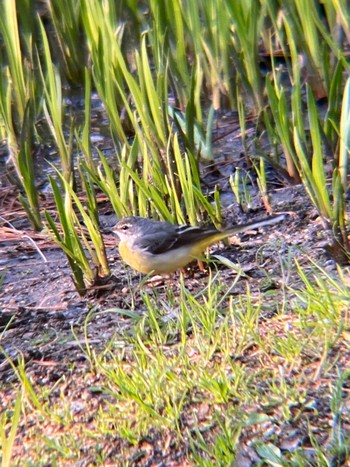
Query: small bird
{"type": "Point", "coordinates": [160, 247]}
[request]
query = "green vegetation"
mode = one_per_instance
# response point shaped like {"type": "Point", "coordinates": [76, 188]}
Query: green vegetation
{"type": "Point", "coordinates": [138, 57]}
{"type": "Point", "coordinates": [163, 70]}
{"type": "Point", "coordinates": [206, 370]}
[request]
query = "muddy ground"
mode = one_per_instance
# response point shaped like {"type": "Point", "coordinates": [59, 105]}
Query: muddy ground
{"type": "Point", "coordinates": [40, 308]}
{"type": "Point", "coordinates": [42, 317]}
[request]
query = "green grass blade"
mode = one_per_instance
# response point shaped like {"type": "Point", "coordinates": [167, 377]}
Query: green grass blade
{"type": "Point", "coordinates": [7, 443]}
{"type": "Point", "coordinates": [344, 135]}
{"type": "Point", "coordinates": [318, 171]}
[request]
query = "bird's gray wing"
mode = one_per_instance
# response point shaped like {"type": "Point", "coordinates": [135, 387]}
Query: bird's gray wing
{"type": "Point", "coordinates": [167, 240]}
{"type": "Point", "coordinates": [158, 242]}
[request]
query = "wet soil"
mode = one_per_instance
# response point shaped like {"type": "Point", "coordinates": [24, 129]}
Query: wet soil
{"type": "Point", "coordinates": [42, 319]}
{"type": "Point", "coordinates": [40, 308]}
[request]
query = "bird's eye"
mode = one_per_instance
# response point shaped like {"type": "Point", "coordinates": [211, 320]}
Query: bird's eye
{"type": "Point", "coordinates": [124, 227]}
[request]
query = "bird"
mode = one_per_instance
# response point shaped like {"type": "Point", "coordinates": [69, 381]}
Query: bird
{"type": "Point", "coordinates": [159, 247]}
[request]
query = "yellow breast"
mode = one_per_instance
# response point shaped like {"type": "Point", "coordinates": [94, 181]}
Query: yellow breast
{"type": "Point", "coordinates": [163, 263]}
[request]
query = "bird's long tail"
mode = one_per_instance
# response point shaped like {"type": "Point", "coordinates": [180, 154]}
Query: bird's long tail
{"type": "Point", "coordinates": [254, 225]}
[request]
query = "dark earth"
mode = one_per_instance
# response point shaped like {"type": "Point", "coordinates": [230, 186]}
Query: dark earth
{"type": "Point", "coordinates": [40, 309]}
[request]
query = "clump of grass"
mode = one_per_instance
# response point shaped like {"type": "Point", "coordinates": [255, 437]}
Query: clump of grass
{"type": "Point", "coordinates": [19, 93]}
{"type": "Point", "coordinates": [210, 370]}
{"type": "Point", "coordinates": [314, 176]}
{"type": "Point", "coordinates": [54, 109]}
{"type": "Point", "coordinates": [159, 146]}
{"type": "Point", "coordinates": [67, 21]}
{"type": "Point", "coordinates": [206, 366]}
{"type": "Point", "coordinates": [73, 240]}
